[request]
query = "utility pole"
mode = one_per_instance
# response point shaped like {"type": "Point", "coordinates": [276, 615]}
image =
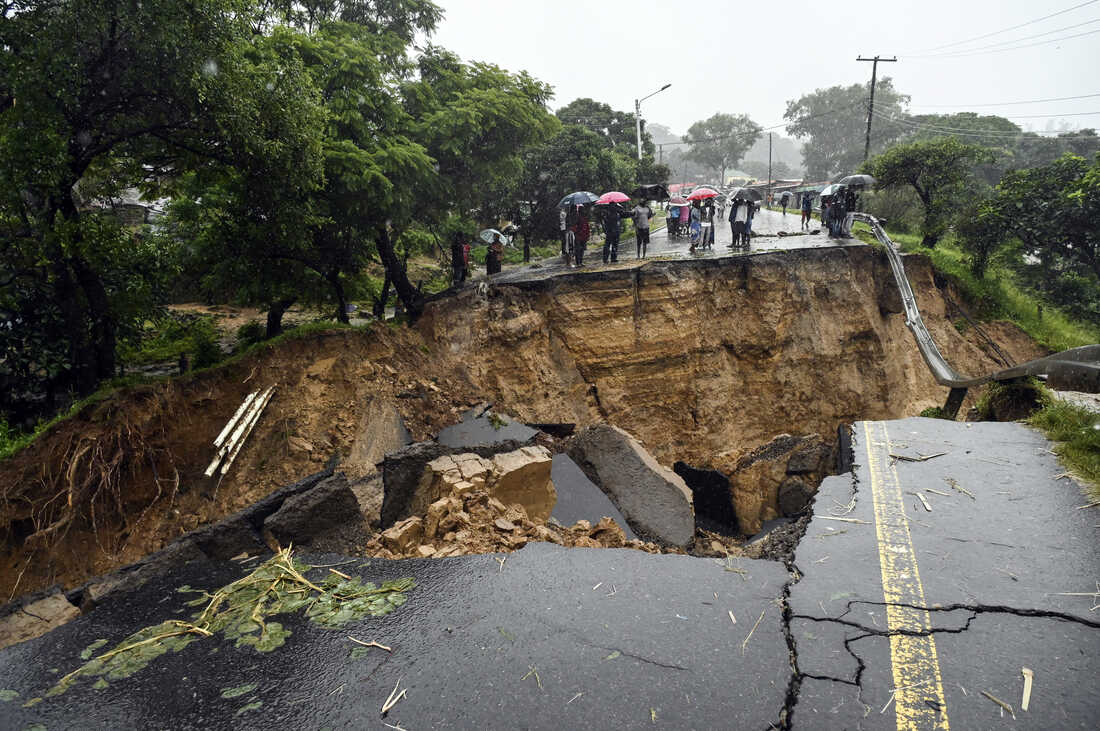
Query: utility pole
{"type": "Point", "coordinates": [871, 105]}
{"type": "Point", "coordinates": [638, 117]}
{"type": "Point", "coordinates": [768, 197]}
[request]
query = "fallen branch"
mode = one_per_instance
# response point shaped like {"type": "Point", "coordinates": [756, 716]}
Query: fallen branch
{"type": "Point", "coordinates": [393, 698]}
{"type": "Point", "coordinates": [918, 458]}
{"type": "Point", "coordinates": [1029, 676]}
{"type": "Point", "coordinates": [843, 520]}
{"type": "Point", "coordinates": [1000, 703]}
{"type": "Point", "coordinates": [372, 643]}
{"type": "Point", "coordinates": [749, 637]}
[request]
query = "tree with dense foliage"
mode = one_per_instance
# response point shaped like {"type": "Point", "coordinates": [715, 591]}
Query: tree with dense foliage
{"type": "Point", "coordinates": [1043, 221]}
{"type": "Point", "coordinates": [99, 96]}
{"type": "Point", "coordinates": [940, 172]}
{"type": "Point", "coordinates": [833, 122]}
{"type": "Point", "coordinates": [720, 141]}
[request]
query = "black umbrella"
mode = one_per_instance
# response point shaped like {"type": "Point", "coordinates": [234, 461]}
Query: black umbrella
{"type": "Point", "coordinates": [651, 192]}
{"type": "Point", "coordinates": [580, 198]}
{"type": "Point", "coordinates": [857, 181]}
{"type": "Point", "coordinates": [746, 194]}
{"type": "Point", "coordinates": [784, 194]}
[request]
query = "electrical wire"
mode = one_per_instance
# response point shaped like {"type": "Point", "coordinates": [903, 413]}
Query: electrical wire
{"type": "Point", "coordinates": [1006, 30]}
{"type": "Point", "coordinates": [1007, 104]}
{"type": "Point", "coordinates": [1006, 43]}
{"type": "Point", "coordinates": [1002, 50]}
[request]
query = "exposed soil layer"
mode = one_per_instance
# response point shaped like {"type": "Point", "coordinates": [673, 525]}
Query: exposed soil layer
{"type": "Point", "coordinates": [701, 361]}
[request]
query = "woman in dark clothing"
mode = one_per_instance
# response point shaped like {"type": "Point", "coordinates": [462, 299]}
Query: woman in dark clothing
{"type": "Point", "coordinates": [495, 255]}
{"type": "Point", "coordinates": [580, 234]}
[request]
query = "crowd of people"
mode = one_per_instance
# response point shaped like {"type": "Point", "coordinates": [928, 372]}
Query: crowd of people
{"type": "Point", "coordinates": [695, 220]}
{"type": "Point", "coordinates": [576, 230]}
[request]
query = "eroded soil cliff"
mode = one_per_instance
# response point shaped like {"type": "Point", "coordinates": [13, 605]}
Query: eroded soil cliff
{"type": "Point", "coordinates": [702, 361]}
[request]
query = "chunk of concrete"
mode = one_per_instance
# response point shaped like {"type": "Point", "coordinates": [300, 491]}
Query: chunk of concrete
{"type": "Point", "coordinates": [580, 498]}
{"type": "Point", "coordinates": [523, 477]}
{"type": "Point", "coordinates": [402, 536]}
{"type": "Point", "coordinates": [36, 619]}
{"type": "Point", "coordinates": [654, 499]}
{"type": "Point", "coordinates": [402, 471]}
{"type": "Point", "coordinates": [301, 518]}
{"type": "Point", "coordinates": [381, 431]}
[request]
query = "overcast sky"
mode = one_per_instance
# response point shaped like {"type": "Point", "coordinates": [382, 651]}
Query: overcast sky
{"type": "Point", "coordinates": [752, 58]}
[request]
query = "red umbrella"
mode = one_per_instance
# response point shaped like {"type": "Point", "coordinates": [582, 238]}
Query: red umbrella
{"type": "Point", "coordinates": [612, 197]}
{"type": "Point", "coordinates": [678, 200]}
{"type": "Point", "coordinates": [700, 193]}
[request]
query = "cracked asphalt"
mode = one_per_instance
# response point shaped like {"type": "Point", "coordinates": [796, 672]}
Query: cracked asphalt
{"type": "Point", "coordinates": [888, 616]}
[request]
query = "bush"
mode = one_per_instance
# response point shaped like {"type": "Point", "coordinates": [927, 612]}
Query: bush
{"type": "Point", "coordinates": [1010, 401]}
{"type": "Point", "coordinates": [249, 334]}
{"type": "Point", "coordinates": [1077, 430]}
{"type": "Point", "coordinates": [935, 412]}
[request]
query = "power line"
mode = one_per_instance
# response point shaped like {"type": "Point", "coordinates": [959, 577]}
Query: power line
{"type": "Point", "coordinates": [1007, 104]}
{"type": "Point", "coordinates": [1006, 43]}
{"type": "Point", "coordinates": [1006, 30]}
{"type": "Point", "coordinates": [1010, 48]}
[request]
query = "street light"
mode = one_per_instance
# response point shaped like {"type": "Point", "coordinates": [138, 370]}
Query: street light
{"type": "Point", "coordinates": [638, 117]}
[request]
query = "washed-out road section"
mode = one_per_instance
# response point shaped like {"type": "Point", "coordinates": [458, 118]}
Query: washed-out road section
{"type": "Point", "coordinates": [899, 612]}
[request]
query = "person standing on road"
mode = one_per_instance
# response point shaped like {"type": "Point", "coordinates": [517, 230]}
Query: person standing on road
{"type": "Point", "coordinates": [851, 200]}
{"type": "Point", "coordinates": [706, 220]}
{"type": "Point", "coordinates": [673, 220]}
{"type": "Point", "coordinates": [580, 235]}
{"type": "Point", "coordinates": [495, 256]}
{"type": "Point", "coordinates": [611, 214]}
{"type": "Point", "coordinates": [807, 210]}
{"type": "Point", "coordinates": [685, 215]}
{"type": "Point", "coordinates": [563, 227]}
{"type": "Point", "coordinates": [641, 213]}
{"type": "Point", "coordinates": [739, 216]}
{"type": "Point", "coordinates": [783, 199]}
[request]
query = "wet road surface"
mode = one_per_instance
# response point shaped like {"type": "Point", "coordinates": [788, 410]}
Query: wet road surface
{"type": "Point", "coordinates": [902, 613]}
{"type": "Point", "coordinates": [767, 226]}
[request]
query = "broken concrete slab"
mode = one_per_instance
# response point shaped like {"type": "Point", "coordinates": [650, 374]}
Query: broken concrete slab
{"type": "Point", "coordinates": [368, 492]}
{"type": "Point", "coordinates": [652, 497]}
{"type": "Point", "coordinates": [523, 477]}
{"type": "Point", "coordinates": [403, 469]}
{"type": "Point", "coordinates": [381, 430]}
{"type": "Point", "coordinates": [328, 507]}
{"type": "Point", "coordinates": [581, 499]}
{"type": "Point", "coordinates": [36, 618]}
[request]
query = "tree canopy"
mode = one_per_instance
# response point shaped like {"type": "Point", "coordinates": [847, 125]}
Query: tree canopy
{"type": "Point", "coordinates": [833, 122]}
{"type": "Point", "coordinates": [938, 170]}
{"type": "Point", "coordinates": [720, 141]}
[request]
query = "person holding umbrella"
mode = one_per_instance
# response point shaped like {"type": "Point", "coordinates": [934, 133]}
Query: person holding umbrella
{"type": "Point", "coordinates": [581, 233]}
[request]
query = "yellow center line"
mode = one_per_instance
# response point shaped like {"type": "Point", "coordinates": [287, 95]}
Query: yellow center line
{"type": "Point", "coordinates": [919, 698]}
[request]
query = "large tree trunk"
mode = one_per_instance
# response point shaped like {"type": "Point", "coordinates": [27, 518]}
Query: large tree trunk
{"type": "Point", "coordinates": [398, 274]}
{"type": "Point", "coordinates": [381, 300]}
{"type": "Point", "coordinates": [275, 316]}
{"type": "Point", "coordinates": [104, 327]}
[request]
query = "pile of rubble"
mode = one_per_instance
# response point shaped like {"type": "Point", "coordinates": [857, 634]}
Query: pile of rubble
{"type": "Point", "coordinates": [485, 505]}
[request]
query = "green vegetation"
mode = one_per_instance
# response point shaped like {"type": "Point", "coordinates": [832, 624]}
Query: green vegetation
{"type": "Point", "coordinates": [1076, 431]}
{"type": "Point", "coordinates": [935, 412]}
{"type": "Point", "coordinates": [996, 295]}
{"type": "Point", "coordinates": [1010, 401]}
{"type": "Point", "coordinates": [241, 611]}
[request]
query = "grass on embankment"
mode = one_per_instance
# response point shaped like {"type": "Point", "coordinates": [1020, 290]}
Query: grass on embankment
{"type": "Point", "coordinates": [996, 295]}
{"type": "Point", "coordinates": [1076, 433]}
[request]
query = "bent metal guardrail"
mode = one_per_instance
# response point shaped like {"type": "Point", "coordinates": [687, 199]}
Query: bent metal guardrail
{"type": "Point", "coordinates": [1083, 361]}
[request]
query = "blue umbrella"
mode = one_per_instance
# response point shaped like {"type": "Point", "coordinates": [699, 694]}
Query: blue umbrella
{"type": "Point", "coordinates": [580, 198]}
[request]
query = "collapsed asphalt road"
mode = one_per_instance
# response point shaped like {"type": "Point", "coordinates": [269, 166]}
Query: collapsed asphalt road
{"type": "Point", "coordinates": [925, 583]}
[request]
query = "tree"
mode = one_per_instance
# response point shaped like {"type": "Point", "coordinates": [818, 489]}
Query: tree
{"type": "Point", "coordinates": [834, 123]}
{"type": "Point", "coordinates": [759, 169]}
{"type": "Point", "coordinates": [938, 170]}
{"type": "Point", "coordinates": [109, 95]}
{"type": "Point", "coordinates": [721, 141]}
{"type": "Point", "coordinates": [618, 127]}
